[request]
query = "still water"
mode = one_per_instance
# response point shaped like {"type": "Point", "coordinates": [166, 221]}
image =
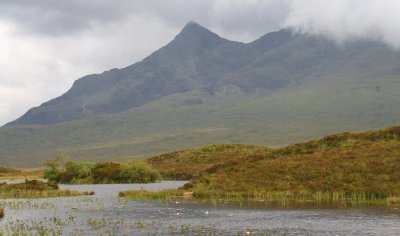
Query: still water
{"type": "Point", "coordinates": [106, 214]}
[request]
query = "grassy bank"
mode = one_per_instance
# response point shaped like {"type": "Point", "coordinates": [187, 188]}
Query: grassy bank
{"type": "Point", "coordinates": [347, 167]}
{"type": "Point", "coordinates": [34, 189]}
{"type": "Point", "coordinates": [7, 173]}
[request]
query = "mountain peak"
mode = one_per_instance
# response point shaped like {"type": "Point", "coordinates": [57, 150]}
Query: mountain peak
{"type": "Point", "coordinates": [192, 40]}
{"type": "Point", "coordinates": [193, 24]}
{"type": "Point", "coordinates": [195, 30]}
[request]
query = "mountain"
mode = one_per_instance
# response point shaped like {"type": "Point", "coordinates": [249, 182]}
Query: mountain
{"type": "Point", "coordinates": [196, 60]}
{"type": "Point", "coordinates": [201, 89]}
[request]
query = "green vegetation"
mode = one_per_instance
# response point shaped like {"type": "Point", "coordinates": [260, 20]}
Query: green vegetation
{"type": "Point", "coordinates": [347, 167]}
{"type": "Point", "coordinates": [34, 189]}
{"type": "Point", "coordinates": [72, 172]}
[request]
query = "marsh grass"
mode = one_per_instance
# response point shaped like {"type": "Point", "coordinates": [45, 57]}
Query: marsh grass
{"type": "Point", "coordinates": [146, 195]}
{"type": "Point", "coordinates": [34, 189]}
{"type": "Point", "coordinates": [17, 193]}
{"type": "Point", "coordinates": [276, 197]}
{"type": "Point", "coordinates": [393, 200]}
{"type": "Point", "coordinates": [304, 197]}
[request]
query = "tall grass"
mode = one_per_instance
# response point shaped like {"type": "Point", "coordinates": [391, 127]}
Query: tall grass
{"type": "Point", "coordinates": [34, 189]}
{"type": "Point", "coordinates": [275, 197]}
{"type": "Point", "coordinates": [288, 197]}
{"type": "Point", "coordinates": [18, 193]}
{"type": "Point", "coordinates": [145, 194]}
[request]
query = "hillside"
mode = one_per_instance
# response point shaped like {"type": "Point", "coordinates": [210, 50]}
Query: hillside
{"type": "Point", "coordinates": [350, 163]}
{"type": "Point", "coordinates": [202, 89]}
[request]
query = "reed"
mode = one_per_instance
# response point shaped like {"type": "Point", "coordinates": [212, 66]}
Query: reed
{"type": "Point", "coordinates": [145, 194]}
{"type": "Point", "coordinates": [275, 197]}
{"type": "Point", "coordinates": [393, 200]}
{"type": "Point", "coordinates": [18, 193]}
{"type": "Point", "coordinates": [289, 197]}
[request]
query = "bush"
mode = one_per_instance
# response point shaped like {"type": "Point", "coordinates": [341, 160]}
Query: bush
{"type": "Point", "coordinates": [139, 172]}
{"type": "Point", "coordinates": [53, 172]}
{"type": "Point", "coordinates": [108, 172]}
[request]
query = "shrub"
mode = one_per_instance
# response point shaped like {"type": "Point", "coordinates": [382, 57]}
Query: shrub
{"type": "Point", "coordinates": [139, 172]}
{"type": "Point", "coordinates": [109, 172]}
{"type": "Point", "coordinates": [52, 172]}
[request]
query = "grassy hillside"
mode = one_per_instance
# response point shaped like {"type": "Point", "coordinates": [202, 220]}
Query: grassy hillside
{"type": "Point", "coordinates": [346, 165]}
{"type": "Point", "coordinates": [189, 164]}
{"type": "Point", "coordinates": [352, 101]}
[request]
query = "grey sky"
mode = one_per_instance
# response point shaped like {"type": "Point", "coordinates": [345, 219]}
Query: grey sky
{"type": "Point", "coordinates": [45, 45]}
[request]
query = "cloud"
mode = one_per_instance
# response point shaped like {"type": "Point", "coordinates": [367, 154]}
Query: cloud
{"type": "Point", "coordinates": [347, 20]}
{"type": "Point", "coordinates": [60, 18]}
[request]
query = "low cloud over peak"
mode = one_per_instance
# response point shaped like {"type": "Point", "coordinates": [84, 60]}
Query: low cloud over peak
{"type": "Point", "coordinates": [344, 20]}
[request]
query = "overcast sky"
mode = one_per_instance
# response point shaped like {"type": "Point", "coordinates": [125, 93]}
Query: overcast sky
{"type": "Point", "coordinates": [47, 44]}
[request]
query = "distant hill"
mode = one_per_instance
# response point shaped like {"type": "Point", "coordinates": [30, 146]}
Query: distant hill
{"type": "Point", "coordinates": [201, 89]}
{"type": "Point", "coordinates": [365, 164]}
